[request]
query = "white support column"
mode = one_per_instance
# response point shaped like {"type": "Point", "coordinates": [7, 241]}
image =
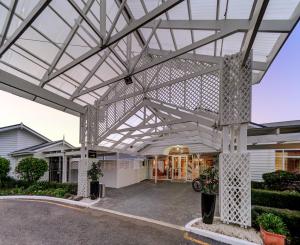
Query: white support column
{"type": "Point", "coordinates": [156, 163]}
{"type": "Point", "coordinates": [64, 168]}
{"type": "Point", "coordinates": [235, 114]}
{"type": "Point", "coordinates": [82, 173]}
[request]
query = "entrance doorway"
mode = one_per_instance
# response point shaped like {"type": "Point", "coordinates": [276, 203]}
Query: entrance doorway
{"type": "Point", "coordinates": [179, 167]}
{"type": "Point", "coordinates": [55, 169]}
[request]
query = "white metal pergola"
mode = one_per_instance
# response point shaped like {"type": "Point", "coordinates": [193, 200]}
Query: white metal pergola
{"type": "Point", "coordinates": [143, 73]}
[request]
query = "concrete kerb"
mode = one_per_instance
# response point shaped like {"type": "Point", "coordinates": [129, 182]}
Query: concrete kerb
{"type": "Point", "coordinates": [215, 236]}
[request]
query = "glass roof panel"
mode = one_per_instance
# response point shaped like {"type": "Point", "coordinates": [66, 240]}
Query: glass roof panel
{"type": "Point", "coordinates": [65, 10]}
{"type": "Point", "coordinates": [3, 14]}
{"type": "Point", "coordinates": [153, 42]}
{"type": "Point", "coordinates": [24, 7]}
{"type": "Point", "coordinates": [22, 63]}
{"type": "Point", "coordinates": [152, 4]}
{"type": "Point", "coordinates": [179, 12]}
{"type": "Point", "coordinates": [238, 9]}
{"type": "Point", "coordinates": [182, 37]}
{"type": "Point", "coordinates": [38, 45]}
{"type": "Point", "coordinates": [232, 44]}
{"type": "Point", "coordinates": [263, 45]}
{"type": "Point", "coordinates": [165, 39]}
{"type": "Point", "coordinates": [136, 8]}
{"type": "Point", "coordinates": [15, 23]}
{"type": "Point", "coordinates": [56, 30]}
{"type": "Point", "coordinates": [203, 10]}
{"type": "Point", "coordinates": [278, 9]}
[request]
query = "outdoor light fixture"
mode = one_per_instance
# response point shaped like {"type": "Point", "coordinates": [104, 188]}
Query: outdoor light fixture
{"type": "Point", "coordinates": [128, 80]}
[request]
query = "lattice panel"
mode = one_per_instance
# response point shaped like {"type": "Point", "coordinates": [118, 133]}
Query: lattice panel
{"type": "Point", "coordinates": [166, 82]}
{"type": "Point", "coordinates": [114, 112]}
{"type": "Point", "coordinates": [235, 188]}
{"type": "Point", "coordinates": [236, 81]}
{"type": "Point", "coordinates": [88, 125]}
{"type": "Point", "coordinates": [198, 93]}
{"type": "Point", "coordinates": [82, 178]}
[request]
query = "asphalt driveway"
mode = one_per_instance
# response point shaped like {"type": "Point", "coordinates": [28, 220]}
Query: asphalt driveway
{"type": "Point", "coordinates": [175, 203]}
{"type": "Point", "coordinates": [37, 222]}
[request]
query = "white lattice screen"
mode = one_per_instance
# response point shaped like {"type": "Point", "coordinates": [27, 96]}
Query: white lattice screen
{"type": "Point", "coordinates": [235, 188]}
{"type": "Point", "coordinates": [236, 83]}
{"type": "Point", "coordinates": [235, 114]}
{"type": "Point", "coordinates": [82, 178]}
{"type": "Point", "coordinates": [188, 84]}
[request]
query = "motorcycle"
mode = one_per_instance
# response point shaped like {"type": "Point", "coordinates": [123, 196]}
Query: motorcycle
{"type": "Point", "coordinates": [196, 184]}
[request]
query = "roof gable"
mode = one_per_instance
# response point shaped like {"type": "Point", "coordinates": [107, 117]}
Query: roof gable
{"type": "Point", "coordinates": [24, 127]}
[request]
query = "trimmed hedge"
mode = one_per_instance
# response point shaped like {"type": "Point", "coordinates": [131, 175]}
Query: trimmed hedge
{"type": "Point", "coordinates": [290, 218]}
{"type": "Point", "coordinates": [276, 199]}
{"type": "Point", "coordinates": [281, 180]}
{"type": "Point", "coordinates": [257, 185]}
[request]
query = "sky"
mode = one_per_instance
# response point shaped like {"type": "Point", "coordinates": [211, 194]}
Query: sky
{"type": "Point", "coordinates": [276, 98]}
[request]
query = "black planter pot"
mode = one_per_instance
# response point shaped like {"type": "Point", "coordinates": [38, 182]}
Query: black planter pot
{"type": "Point", "coordinates": [208, 203]}
{"type": "Point", "coordinates": [94, 190]}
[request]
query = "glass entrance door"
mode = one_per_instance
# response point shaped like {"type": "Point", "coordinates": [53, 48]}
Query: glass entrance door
{"type": "Point", "coordinates": [179, 167]}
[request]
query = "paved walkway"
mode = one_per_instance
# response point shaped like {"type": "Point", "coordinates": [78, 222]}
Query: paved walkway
{"type": "Point", "coordinates": [39, 222]}
{"type": "Point", "coordinates": [175, 203]}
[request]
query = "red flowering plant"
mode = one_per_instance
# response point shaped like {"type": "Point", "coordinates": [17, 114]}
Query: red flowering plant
{"type": "Point", "coordinates": [210, 180]}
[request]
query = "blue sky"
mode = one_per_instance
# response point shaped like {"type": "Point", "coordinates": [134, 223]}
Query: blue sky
{"type": "Point", "coordinates": [276, 98]}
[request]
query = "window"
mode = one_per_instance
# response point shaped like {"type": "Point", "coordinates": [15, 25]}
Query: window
{"type": "Point", "coordinates": [288, 160]}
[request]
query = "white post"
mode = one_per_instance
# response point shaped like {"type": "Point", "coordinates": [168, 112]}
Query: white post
{"type": "Point", "coordinates": [156, 163]}
{"type": "Point", "coordinates": [82, 173]}
{"type": "Point", "coordinates": [64, 168]}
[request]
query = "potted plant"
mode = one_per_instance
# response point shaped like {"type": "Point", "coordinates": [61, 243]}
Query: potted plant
{"type": "Point", "coordinates": [272, 229]}
{"type": "Point", "coordinates": [209, 181]}
{"type": "Point", "coordinates": [94, 174]}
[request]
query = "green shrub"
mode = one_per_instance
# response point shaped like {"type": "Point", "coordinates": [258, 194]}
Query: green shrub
{"type": "Point", "coordinates": [276, 199]}
{"type": "Point", "coordinates": [4, 169]}
{"type": "Point", "coordinates": [272, 223]}
{"type": "Point", "coordinates": [279, 180]}
{"type": "Point", "coordinates": [31, 169]}
{"type": "Point", "coordinates": [290, 217]}
{"type": "Point", "coordinates": [257, 185]}
{"type": "Point", "coordinates": [70, 188]}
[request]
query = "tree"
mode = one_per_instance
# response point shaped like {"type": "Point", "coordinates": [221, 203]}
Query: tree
{"type": "Point", "coordinates": [31, 169]}
{"type": "Point", "coordinates": [4, 169]}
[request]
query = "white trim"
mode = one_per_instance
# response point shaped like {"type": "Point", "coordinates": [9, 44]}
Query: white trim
{"type": "Point", "coordinates": [215, 236]}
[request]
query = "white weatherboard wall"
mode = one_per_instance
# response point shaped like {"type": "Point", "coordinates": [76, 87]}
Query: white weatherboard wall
{"type": "Point", "coordinates": [109, 174]}
{"type": "Point", "coordinates": [130, 171]}
{"type": "Point", "coordinates": [16, 139]}
{"type": "Point", "coordinates": [261, 161]}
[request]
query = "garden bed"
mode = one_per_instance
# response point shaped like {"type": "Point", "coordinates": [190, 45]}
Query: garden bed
{"type": "Point", "coordinates": [42, 188]}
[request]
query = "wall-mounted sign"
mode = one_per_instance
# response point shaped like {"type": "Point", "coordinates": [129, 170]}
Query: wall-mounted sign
{"type": "Point", "coordinates": [92, 154]}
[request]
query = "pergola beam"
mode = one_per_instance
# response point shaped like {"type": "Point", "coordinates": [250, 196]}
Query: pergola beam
{"type": "Point", "coordinates": [120, 35]}
{"type": "Point", "coordinates": [66, 42]}
{"type": "Point", "coordinates": [8, 20]}
{"type": "Point", "coordinates": [156, 87]}
{"type": "Point", "coordinates": [261, 66]}
{"type": "Point", "coordinates": [36, 11]}
{"type": "Point", "coordinates": [281, 26]}
{"type": "Point", "coordinates": [30, 88]}
{"type": "Point", "coordinates": [259, 11]}
{"type": "Point", "coordinates": [164, 59]}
